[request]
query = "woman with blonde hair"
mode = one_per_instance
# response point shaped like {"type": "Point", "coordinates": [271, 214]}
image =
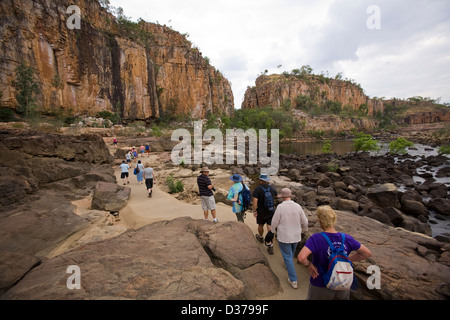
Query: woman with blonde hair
{"type": "Point", "coordinates": [318, 245]}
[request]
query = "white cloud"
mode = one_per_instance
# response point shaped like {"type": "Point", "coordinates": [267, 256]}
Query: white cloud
{"type": "Point", "coordinates": [408, 56]}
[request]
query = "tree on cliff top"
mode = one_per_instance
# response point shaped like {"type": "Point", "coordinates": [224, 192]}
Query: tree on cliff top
{"type": "Point", "coordinates": [26, 88]}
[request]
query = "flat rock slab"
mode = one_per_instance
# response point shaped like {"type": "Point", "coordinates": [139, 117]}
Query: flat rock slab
{"type": "Point", "coordinates": [178, 259]}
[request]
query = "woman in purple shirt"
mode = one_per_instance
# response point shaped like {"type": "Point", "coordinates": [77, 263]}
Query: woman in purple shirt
{"type": "Point", "coordinates": [318, 246]}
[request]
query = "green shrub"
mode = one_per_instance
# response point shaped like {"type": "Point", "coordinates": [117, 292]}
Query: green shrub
{"type": "Point", "coordinates": [113, 116]}
{"type": "Point", "coordinates": [327, 147]}
{"type": "Point", "coordinates": [400, 145]}
{"type": "Point", "coordinates": [6, 115]}
{"type": "Point", "coordinates": [444, 149]}
{"type": "Point", "coordinates": [175, 186]}
{"type": "Point", "coordinates": [365, 142]}
{"type": "Point", "coordinates": [26, 88]}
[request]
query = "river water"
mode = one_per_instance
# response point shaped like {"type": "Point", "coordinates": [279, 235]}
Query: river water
{"type": "Point", "coordinates": [341, 147]}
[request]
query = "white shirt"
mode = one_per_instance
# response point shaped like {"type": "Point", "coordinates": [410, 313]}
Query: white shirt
{"type": "Point", "coordinates": [290, 221]}
{"type": "Point", "coordinates": [124, 167]}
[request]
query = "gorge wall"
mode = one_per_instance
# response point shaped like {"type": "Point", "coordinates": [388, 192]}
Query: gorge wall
{"type": "Point", "coordinates": [274, 89]}
{"type": "Point", "coordinates": [140, 70]}
{"type": "Point", "coordinates": [354, 110]}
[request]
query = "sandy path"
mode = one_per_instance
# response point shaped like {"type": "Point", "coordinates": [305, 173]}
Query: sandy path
{"type": "Point", "coordinates": [142, 210]}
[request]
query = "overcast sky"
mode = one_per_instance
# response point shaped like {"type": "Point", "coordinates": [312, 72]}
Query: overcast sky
{"type": "Point", "coordinates": [393, 48]}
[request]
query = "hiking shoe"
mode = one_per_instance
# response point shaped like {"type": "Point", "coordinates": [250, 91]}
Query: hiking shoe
{"type": "Point", "coordinates": [270, 249]}
{"type": "Point", "coordinates": [215, 220]}
{"type": "Point", "coordinates": [259, 238]}
{"type": "Point", "coordinates": [293, 283]}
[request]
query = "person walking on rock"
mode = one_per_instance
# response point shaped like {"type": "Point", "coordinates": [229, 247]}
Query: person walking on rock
{"type": "Point", "coordinates": [289, 221]}
{"type": "Point", "coordinates": [206, 188]}
{"type": "Point", "coordinates": [318, 246]}
{"type": "Point", "coordinates": [140, 173]}
{"type": "Point", "coordinates": [124, 167]}
{"type": "Point", "coordinates": [263, 208]}
{"type": "Point", "coordinates": [235, 196]}
{"type": "Point", "coordinates": [149, 176]}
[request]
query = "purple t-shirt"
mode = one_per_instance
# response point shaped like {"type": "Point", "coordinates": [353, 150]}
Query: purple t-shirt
{"type": "Point", "coordinates": [321, 251]}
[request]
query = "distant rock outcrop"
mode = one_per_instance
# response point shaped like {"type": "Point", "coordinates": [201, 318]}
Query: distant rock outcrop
{"type": "Point", "coordinates": [274, 89]}
{"type": "Point", "coordinates": [139, 70]}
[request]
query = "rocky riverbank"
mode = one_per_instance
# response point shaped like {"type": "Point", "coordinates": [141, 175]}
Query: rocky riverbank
{"type": "Point", "coordinates": [49, 223]}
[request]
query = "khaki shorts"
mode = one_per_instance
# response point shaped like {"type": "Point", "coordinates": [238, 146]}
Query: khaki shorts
{"type": "Point", "coordinates": [208, 202]}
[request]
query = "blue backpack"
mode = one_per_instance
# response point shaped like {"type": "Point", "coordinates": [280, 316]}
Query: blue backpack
{"type": "Point", "coordinates": [268, 199]}
{"type": "Point", "coordinates": [339, 275]}
{"type": "Point", "coordinates": [246, 197]}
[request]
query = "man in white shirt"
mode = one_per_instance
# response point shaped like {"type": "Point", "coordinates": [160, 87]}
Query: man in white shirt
{"type": "Point", "coordinates": [124, 172]}
{"type": "Point", "coordinates": [289, 221]}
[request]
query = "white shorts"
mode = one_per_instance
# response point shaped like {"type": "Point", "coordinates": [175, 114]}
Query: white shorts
{"type": "Point", "coordinates": [208, 203]}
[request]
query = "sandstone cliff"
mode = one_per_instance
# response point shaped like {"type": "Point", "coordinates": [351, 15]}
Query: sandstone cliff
{"type": "Point", "coordinates": [140, 70]}
{"type": "Point", "coordinates": [274, 89]}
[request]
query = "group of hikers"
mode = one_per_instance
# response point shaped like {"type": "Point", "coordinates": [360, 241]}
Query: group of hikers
{"type": "Point", "coordinates": [326, 255]}
{"type": "Point", "coordinates": [143, 172]}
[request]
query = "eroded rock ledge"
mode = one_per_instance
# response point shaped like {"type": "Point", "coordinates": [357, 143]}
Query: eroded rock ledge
{"type": "Point", "coordinates": [177, 259]}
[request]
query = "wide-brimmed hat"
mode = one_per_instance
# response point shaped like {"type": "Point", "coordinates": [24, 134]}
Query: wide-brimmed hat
{"type": "Point", "coordinates": [236, 178]}
{"type": "Point", "coordinates": [264, 177]}
{"type": "Point", "coordinates": [285, 193]}
{"type": "Point", "coordinates": [204, 169]}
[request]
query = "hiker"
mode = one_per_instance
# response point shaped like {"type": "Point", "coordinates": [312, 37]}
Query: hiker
{"type": "Point", "coordinates": [147, 150]}
{"type": "Point", "coordinates": [135, 155]}
{"type": "Point", "coordinates": [142, 150]}
{"type": "Point", "coordinates": [234, 194]}
{"type": "Point", "coordinates": [263, 208]}
{"type": "Point", "coordinates": [149, 176]}
{"type": "Point", "coordinates": [289, 221]}
{"type": "Point", "coordinates": [319, 247]}
{"type": "Point", "coordinates": [129, 156]}
{"type": "Point", "coordinates": [140, 172]}
{"type": "Point", "coordinates": [124, 167]}
{"type": "Point", "coordinates": [206, 189]}
{"type": "Point", "coordinates": [115, 142]}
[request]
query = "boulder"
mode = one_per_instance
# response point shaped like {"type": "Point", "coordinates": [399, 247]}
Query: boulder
{"type": "Point", "coordinates": [172, 260]}
{"type": "Point", "coordinates": [384, 195]}
{"type": "Point", "coordinates": [441, 206]}
{"type": "Point", "coordinates": [324, 181]}
{"type": "Point", "coordinates": [110, 196]}
{"type": "Point", "coordinates": [347, 205]}
{"type": "Point", "coordinates": [414, 208]}
{"type": "Point", "coordinates": [395, 215]}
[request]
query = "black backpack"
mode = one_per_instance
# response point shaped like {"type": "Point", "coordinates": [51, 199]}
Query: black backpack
{"type": "Point", "coordinates": [268, 199]}
{"type": "Point", "coordinates": [246, 197]}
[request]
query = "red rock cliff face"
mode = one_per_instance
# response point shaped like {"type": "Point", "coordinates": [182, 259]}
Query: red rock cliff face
{"type": "Point", "coordinates": [274, 89]}
{"type": "Point", "coordinates": [101, 67]}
